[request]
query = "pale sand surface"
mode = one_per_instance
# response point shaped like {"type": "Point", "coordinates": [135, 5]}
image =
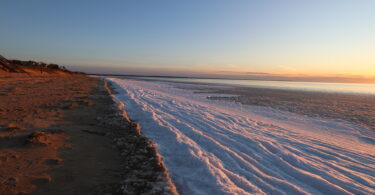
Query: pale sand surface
{"type": "Point", "coordinates": [74, 150]}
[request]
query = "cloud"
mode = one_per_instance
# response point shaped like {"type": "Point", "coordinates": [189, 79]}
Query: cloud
{"type": "Point", "coordinates": [257, 73]}
{"type": "Point", "coordinates": [243, 73]}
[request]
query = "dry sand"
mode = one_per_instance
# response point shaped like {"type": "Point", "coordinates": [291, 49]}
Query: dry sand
{"type": "Point", "coordinates": [62, 135]}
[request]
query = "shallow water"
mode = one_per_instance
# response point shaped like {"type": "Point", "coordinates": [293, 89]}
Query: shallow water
{"type": "Point", "coordinates": [288, 85]}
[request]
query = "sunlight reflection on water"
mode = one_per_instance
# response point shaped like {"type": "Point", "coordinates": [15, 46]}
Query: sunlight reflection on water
{"type": "Point", "coordinates": [288, 85]}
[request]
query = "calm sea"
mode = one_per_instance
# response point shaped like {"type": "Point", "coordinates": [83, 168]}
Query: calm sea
{"type": "Point", "coordinates": [286, 85]}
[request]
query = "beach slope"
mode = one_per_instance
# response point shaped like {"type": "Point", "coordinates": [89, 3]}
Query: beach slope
{"type": "Point", "coordinates": [60, 135]}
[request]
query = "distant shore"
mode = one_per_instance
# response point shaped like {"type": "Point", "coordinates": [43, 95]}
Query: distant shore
{"type": "Point", "coordinates": [307, 79]}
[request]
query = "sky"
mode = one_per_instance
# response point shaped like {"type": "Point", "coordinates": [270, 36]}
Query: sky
{"type": "Point", "coordinates": [195, 37]}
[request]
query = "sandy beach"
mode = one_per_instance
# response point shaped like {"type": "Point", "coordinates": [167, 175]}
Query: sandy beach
{"type": "Point", "coordinates": [187, 97]}
{"type": "Point", "coordinates": [60, 135]}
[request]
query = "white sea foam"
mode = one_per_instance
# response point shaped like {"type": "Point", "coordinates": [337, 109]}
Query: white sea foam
{"type": "Point", "coordinates": [216, 147]}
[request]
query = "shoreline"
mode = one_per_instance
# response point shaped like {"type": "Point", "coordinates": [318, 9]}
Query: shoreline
{"type": "Point", "coordinates": [63, 135]}
{"type": "Point", "coordinates": [153, 170]}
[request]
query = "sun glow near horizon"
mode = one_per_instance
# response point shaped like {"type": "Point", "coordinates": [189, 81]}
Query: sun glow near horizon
{"type": "Point", "coordinates": [292, 38]}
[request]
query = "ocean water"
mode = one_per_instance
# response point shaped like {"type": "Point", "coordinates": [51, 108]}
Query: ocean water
{"type": "Point", "coordinates": [286, 85]}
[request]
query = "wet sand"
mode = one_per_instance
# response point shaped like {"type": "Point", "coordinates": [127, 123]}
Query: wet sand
{"type": "Point", "coordinates": [356, 108]}
{"type": "Point", "coordinates": [60, 135]}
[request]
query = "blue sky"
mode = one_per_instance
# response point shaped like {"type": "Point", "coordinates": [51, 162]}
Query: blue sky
{"type": "Point", "coordinates": [279, 37]}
